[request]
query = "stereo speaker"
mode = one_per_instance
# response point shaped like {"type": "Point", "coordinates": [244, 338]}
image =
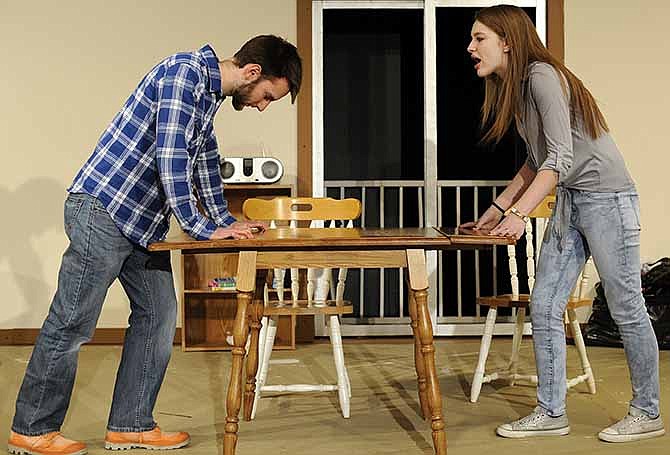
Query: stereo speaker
{"type": "Point", "coordinates": [251, 170]}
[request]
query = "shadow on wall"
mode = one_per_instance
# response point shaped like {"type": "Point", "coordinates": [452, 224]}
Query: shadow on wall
{"type": "Point", "coordinates": [29, 211]}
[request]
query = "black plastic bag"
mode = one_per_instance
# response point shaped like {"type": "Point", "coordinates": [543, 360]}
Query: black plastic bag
{"type": "Point", "coordinates": [602, 330]}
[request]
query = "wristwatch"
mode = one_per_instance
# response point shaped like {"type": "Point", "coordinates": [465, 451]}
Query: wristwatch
{"type": "Point", "coordinates": [515, 211]}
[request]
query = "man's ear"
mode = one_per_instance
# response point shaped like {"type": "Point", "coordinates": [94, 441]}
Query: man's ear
{"type": "Point", "coordinates": [251, 72]}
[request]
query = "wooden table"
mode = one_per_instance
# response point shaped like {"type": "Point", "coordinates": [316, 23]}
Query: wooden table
{"type": "Point", "coordinates": [331, 248]}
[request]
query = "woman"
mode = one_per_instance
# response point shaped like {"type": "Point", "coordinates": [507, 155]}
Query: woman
{"type": "Point", "coordinates": [597, 213]}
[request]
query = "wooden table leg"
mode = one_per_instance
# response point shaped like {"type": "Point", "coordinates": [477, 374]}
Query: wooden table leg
{"type": "Point", "coordinates": [418, 278]}
{"type": "Point", "coordinates": [418, 356]}
{"type": "Point", "coordinates": [255, 315]}
{"type": "Point", "coordinates": [246, 274]}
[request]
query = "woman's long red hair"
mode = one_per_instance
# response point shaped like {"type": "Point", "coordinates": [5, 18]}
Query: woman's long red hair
{"type": "Point", "coordinates": [503, 97]}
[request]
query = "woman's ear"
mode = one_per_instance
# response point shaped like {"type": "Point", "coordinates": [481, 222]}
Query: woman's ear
{"type": "Point", "coordinates": [506, 45]}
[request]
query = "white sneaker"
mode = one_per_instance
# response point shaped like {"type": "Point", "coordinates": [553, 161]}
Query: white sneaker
{"type": "Point", "coordinates": [634, 427]}
{"type": "Point", "coordinates": [538, 423]}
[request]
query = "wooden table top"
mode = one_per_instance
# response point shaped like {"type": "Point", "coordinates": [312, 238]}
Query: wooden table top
{"type": "Point", "coordinates": [337, 238]}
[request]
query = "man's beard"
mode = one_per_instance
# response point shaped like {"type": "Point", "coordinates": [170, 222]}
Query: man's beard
{"type": "Point", "coordinates": [241, 96]}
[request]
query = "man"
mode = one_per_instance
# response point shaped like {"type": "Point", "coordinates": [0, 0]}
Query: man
{"type": "Point", "coordinates": [158, 152]}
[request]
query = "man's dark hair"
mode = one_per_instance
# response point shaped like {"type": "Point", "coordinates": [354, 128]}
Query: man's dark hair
{"type": "Point", "coordinates": [277, 57]}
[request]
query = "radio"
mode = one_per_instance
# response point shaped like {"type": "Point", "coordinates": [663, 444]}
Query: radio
{"type": "Point", "coordinates": [251, 170]}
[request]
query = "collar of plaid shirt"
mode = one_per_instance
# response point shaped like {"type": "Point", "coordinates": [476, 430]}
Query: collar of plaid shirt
{"type": "Point", "coordinates": [213, 70]}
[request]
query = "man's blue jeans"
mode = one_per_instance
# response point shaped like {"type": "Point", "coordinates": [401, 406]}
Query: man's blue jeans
{"type": "Point", "coordinates": [607, 226]}
{"type": "Point", "coordinates": [97, 255]}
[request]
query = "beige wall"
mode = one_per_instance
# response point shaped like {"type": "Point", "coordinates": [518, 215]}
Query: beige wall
{"type": "Point", "coordinates": [619, 48]}
{"type": "Point", "coordinates": [67, 67]}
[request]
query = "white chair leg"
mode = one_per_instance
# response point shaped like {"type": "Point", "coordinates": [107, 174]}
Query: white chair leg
{"type": "Point", "coordinates": [295, 287]}
{"type": "Point", "coordinates": [310, 286]}
{"type": "Point", "coordinates": [346, 376]}
{"type": "Point", "coordinates": [338, 355]}
{"type": "Point", "coordinates": [322, 288]}
{"type": "Point", "coordinates": [278, 282]}
{"type": "Point", "coordinates": [516, 343]}
{"type": "Point", "coordinates": [581, 348]}
{"type": "Point", "coordinates": [262, 335]}
{"type": "Point", "coordinates": [341, 279]}
{"type": "Point", "coordinates": [483, 354]}
{"type": "Point", "coordinates": [265, 346]}
{"type": "Point", "coordinates": [331, 284]}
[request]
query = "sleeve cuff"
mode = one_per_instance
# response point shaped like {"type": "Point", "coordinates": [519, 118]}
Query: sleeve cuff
{"type": "Point", "coordinates": [531, 164]}
{"type": "Point", "coordinates": [561, 168]}
{"type": "Point", "coordinates": [225, 221]}
{"type": "Point", "coordinates": [203, 229]}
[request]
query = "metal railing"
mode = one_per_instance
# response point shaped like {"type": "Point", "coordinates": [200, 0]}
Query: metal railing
{"type": "Point", "coordinates": [378, 190]}
{"type": "Point", "coordinates": [379, 196]}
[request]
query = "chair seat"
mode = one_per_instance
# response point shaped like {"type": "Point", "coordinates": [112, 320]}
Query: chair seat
{"type": "Point", "coordinates": [505, 300]}
{"type": "Point", "coordinates": [523, 300]}
{"type": "Point", "coordinates": [274, 308]}
{"type": "Point", "coordinates": [522, 304]}
{"type": "Point", "coordinates": [578, 303]}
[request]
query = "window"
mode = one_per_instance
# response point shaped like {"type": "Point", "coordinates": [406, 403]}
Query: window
{"type": "Point", "coordinates": [373, 94]}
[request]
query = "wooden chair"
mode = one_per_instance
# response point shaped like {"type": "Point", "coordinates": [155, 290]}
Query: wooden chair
{"type": "Point", "coordinates": [290, 211]}
{"type": "Point", "coordinates": [521, 303]}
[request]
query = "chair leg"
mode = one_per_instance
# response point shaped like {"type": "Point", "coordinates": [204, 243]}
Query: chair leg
{"type": "Point", "coordinates": [581, 348]}
{"type": "Point", "coordinates": [346, 376]}
{"type": "Point", "coordinates": [338, 354]}
{"type": "Point", "coordinates": [483, 354]}
{"type": "Point", "coordinates": [279, 283]}
{"type": "Point", "coordinates": [262, 338]}
{"type": "Point", "coordinates": [269, 325]}
{"type": "Point", "coordinates": [516, 343]}
{"type": "Point", "coordinates": [295, 286]}
{"type": "Point", "coordinates": [331, 285]}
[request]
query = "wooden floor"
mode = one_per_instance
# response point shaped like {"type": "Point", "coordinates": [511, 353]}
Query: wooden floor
{"type": "Point", "coordinates": [384, 408]}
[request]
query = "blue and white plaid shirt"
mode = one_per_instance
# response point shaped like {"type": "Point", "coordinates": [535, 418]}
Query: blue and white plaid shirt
{"type": "Point", "coordinates": [157, 148]}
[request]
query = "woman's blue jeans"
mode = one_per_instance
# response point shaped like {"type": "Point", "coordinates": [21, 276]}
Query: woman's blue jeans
{"type": "Point", "coordinates": [607, 226]}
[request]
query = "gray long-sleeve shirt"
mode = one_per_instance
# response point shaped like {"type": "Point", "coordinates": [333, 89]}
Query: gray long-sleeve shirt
{"type": "Point", "coordinates": [555, 142]}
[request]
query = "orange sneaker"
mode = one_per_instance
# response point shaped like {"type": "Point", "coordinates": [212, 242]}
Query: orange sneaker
{"type": "Point", "coordinates": [47, 444]}
{"type": "Point", "coordinates": [153, 440]}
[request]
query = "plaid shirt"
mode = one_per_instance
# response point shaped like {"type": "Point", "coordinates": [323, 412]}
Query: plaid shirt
{"type": "Point", "coordinates": [157, 148]}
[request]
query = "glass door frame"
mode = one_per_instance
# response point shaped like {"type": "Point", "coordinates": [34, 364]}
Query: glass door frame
{"type": "Point", "coordinates": [430, 114]}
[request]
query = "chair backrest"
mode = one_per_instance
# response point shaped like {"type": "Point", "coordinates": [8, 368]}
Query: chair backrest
{"type": "Point", "coordinates": [302, 209]}
{"type": "Point", "coordinates": [315, 210]}
{"type": "Point", "coordinates": [539, 217]}
{"type": "Point", "coordinates": [544, 209]}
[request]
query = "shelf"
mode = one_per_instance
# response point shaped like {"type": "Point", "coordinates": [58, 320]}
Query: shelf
{"type": "Point", "coordinates": [208, 316]}
{"type": "Point", "coordinates": [229, 291]}
{"type": "Point", "coordinates": [223, 346]}
{"type": "Point", "coordinates": [209, 291]}
{"type": "Point", "coordinates": [281, 190]}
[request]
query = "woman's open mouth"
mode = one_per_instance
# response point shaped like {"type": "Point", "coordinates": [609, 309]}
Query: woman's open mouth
{"type": "Point", "coordinates": [478, 62]}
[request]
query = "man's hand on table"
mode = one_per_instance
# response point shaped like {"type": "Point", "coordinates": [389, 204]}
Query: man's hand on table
{"type": "Point", "coordinates": [239, 230]}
